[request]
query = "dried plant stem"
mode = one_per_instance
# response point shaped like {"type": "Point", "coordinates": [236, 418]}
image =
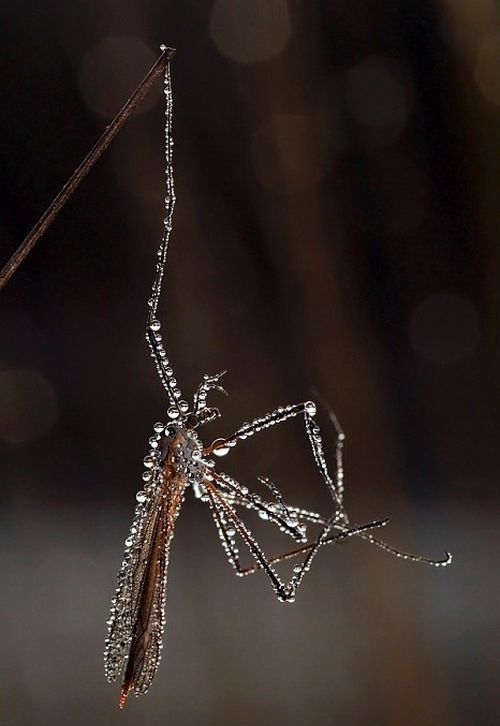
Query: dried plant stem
{"type": "Point", "coordinates": [158, 69]}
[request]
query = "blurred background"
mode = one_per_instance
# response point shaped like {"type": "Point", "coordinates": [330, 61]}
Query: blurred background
{"type": "Point", "coordinates": [337, 176]}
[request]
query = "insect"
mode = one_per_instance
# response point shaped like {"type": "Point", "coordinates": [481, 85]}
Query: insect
{"type": "Point", "coordinates": [178, 460]}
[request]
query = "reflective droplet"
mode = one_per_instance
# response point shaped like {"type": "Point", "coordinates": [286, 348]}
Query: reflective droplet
{"type": "Point", "coordinates": [147, 476]}
{"type": "Point", "coordinates": [129, 541]}
{"type": "Point", "coordinates": [220, 450]}
{"type": "Point", "coordinates": [184, 406]}
{"type": "Point", "coordinates": [297, 568]}
{"type": "Point", "coordinates": [141, 496]}
{"type": "Point", "coordinates": [173, 412]}
{"type": "Point", "coordinates": [310, 408]}
{"type": "Point", "coordinates": [158, 427]}
{"type": "Point", "coordinates": [149, 462]}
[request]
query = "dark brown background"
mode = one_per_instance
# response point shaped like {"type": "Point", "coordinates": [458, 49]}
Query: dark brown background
{"type": "Point", "coordinates": [337, 225]}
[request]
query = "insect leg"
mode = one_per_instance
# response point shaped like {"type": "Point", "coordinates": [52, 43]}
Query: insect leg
{"type": "Point", "coordinates": [307, 516]}
{"type": "Point", "coordinates": [280, 415]}
{"type": "Point", "coordinates": [218, 503]}
{"type": "Point", "coordinates": [153, 325]}
{"type": "Point", "coordinates": [209, 383]}
{"type": "Point", "coordinates": [278, 513]}
{"type": "Point", "coordinates": [315, 518]}
{"type": "Point", "coordinates": [226, 514]}
{"type": "Point", "coordinates": [311, 548]}
{"type": "Point", "coordinates": [335, 485]}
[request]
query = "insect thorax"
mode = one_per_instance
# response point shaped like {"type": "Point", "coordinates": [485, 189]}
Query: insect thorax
{"type": "Point", "coordinates": [176, 448]}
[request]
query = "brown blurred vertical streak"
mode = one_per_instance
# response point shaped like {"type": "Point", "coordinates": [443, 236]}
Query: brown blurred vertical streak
{"type": "Point", "coordinates": [341, 355]}
{"type": "Point", "coordinates": [467, 27]}
{"type": "Point", "coordinates": [408, 674]}
{"type": "Point", "coordinates": [84, 168]}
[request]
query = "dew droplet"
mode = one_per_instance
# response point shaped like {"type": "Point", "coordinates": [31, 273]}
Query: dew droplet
{"type": "Point", "coordinates": [173, 412]}
{"type": "Point", "coordinates": [310, 408]}
{"type": "Point", "coordinates": [297, 568]}
{"type": "Point", "coordinates": [158, 427]}
{"type": "Point", "coordinates": [220, 448]}
{"type": "Point", "coordinates": [147, 476]}
{"type": "Point", "coordinates": [184, 406]}
{"type": "Point", "coordinates": [149, 462]}
{"type": "Point", "coordinates": [222, 451]}
{"type": "Point", "coordinates": [129, 541]}
{"type": "Point", "coordinates": [141, 496]}
{"type": "Point", "coordinates": [155, 325]}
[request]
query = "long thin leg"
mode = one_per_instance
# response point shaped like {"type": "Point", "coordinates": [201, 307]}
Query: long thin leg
{"type": "Point", "coordinates": [335, 486]}
{"type": "Point", "coordinates": [225, 515]}
{"type": "Point", "coordinates": [339, 519]}
{"type": "Point", "coordinates": [219, 503]}
{"type": "Point", "coordinates": [294, 512]}
{"type": "Point", "coordinates": [278, 513]}
{"type": "Point", "coordinates": [315, 518]}
{"type": "Point", "coordinates": [209, 383]}
{"type": "Point", "coordinates": [153, 336]}
{"type": "Point", "coordinates": [282, 414]}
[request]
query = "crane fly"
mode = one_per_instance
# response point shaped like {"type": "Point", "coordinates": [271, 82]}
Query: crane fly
{"type": "Point", "coordinates": [178, 460]}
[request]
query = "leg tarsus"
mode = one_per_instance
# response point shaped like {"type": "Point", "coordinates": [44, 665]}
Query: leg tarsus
{"type": "Point", "coordinates": [209, 383]}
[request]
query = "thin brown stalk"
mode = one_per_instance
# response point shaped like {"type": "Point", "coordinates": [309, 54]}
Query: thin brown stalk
{"type": "Point", "coordinates": [86, 165]}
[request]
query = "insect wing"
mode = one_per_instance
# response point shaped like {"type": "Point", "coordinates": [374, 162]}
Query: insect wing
{"type": "Point", "coordinates": [126, 602]}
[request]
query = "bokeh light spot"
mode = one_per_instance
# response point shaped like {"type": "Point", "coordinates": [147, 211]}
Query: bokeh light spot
{"type": "Point", "coordinates": [248, 32]}
{"type": "Point", "coordinates": [28, 407]}
{"type": "Point", "coordinates": [111, 70]}
{"type": "Point", "coordinates": [444, 329]}
{"type": "Point", "coordinates": [487, 70]}
{"type": "Point", "coordinates": [378, 94]}
{"type": "Point", "coordinates": [288, 153]}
